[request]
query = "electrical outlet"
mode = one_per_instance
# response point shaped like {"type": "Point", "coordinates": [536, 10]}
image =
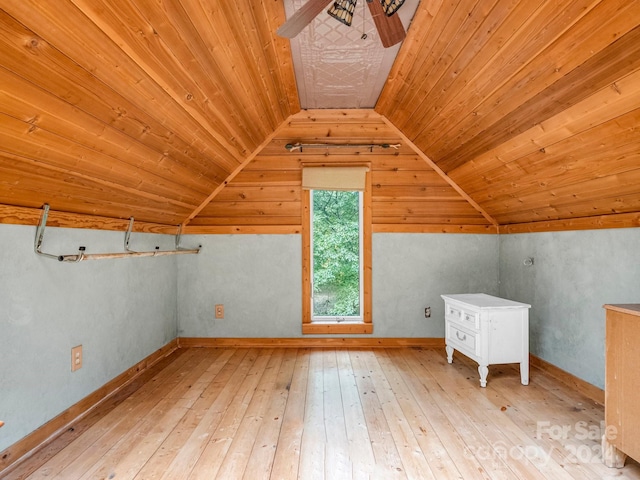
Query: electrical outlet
{"type": "Point", "coordinates": [76, 358]}
{"type": "Point", "coordinates": [427, 312]}
{"type": "Point", "coordinates": [219, 311]}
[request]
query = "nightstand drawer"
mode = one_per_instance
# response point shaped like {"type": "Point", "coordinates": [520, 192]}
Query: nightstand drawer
{"type": "Point", "coordinates": [453, 313]}
{"type": "Point", "coordinates": [468, 318]}
{"type": "Point", "coordinates": [461, 338]}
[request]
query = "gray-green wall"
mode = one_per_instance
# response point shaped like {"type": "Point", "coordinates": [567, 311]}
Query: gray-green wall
{"type": "Point", "coordinates": [258, 278]}
{"type": "Point", "coordinates": [573, 275]}
{"type": "Point", "coordinates": [121, 311]}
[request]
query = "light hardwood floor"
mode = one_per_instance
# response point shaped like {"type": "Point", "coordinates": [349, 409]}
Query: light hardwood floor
{"type": "Point", "coordinates": [232, 413]}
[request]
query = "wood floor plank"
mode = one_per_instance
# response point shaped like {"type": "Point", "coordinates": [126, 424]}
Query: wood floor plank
{"type": "Point", "coordinates": [440, 462]}
{"type": "Point", "coordinates": [220, 440]}
{"type": "Point", "coordinates": [221, 369]}
{"type": "Point", "coordinates": [287, 457]}
{"type": "Point", "coordinates": [338, 461]}
{"type": "Point", "coordinates": [261, 457]}
{"type": "Point", "coordinates": [313, 446]}
{"type": "Point", "coordinates": [387, 459]}
{"type": "Point", "coordinates": [492, 463]}
{"type": "Point", "coordinates": [244, 439]}
{"type": "Point", "coordinates": [411, 455]}
{"type": "Point", "coordinates": [360, 450]}
{"type": "Point", "coordinates": [224, 390]}
{"type": "Point", "coordinates": [409, 367]}
{"type": "Point", "coordinates": [333, 413]}
{"type": "Point", "coordinates": [522, 465]}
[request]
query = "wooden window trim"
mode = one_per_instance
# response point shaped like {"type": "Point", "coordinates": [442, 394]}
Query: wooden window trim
{"type": "Point", "coordinates": [318, 328]}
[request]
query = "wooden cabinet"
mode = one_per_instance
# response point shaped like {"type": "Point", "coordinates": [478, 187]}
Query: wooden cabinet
{"type": "Point", "coordinates": [489, 330]}
{"type": "Point", "coordinates": [622, 384]}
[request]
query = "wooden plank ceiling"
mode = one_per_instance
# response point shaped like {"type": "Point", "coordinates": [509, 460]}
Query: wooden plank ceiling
{"type": "Point", "coordinates": [522, 113]}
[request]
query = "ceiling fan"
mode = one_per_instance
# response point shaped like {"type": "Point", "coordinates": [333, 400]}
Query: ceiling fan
{"type": "Point", "coordinates": [388, 24]}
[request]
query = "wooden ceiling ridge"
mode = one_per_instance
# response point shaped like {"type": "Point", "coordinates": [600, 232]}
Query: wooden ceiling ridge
{"type": "Point", "coordinates": [237, 170]}
{"type": "Point", "coordinates": [440, 172]}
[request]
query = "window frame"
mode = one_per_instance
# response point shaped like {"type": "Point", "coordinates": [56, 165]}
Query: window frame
{"type": "Point", "coordinates": [363, 326]}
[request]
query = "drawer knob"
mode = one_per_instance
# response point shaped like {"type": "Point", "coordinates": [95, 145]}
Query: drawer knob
{"type": "Point", "coordinates": [463, 337]}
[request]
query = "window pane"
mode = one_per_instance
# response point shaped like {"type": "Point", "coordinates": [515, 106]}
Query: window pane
{"type": "Point", "coordinates": [336, 253]}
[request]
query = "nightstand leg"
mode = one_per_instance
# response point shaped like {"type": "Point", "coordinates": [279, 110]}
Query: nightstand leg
{"type": "Point", "coordinates": [449, 353]}
{"type": "Point", "coordinates": [483, 370]}
{"type": "Point", "coordinates": [524, 372]}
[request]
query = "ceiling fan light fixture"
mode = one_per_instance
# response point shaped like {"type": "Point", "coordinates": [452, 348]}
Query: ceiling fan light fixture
{"type": "Point", "coordinates": [342, 10]}
{"type": "Point", "coordinates": [391, 6]}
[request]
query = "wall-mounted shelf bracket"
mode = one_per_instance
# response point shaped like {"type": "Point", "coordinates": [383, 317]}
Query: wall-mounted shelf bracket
{"type": "Point", "coordinates": [80, 256]}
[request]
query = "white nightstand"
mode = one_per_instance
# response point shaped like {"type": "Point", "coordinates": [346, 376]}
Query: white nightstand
{"type": "Point", "coordinates": [489, 330]}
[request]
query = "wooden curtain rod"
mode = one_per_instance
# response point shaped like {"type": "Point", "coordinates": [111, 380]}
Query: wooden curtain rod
{"type": "Point", "coordinates": [292, 147]}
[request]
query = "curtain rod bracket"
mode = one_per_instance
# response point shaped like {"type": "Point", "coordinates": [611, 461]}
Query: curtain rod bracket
{"type": "Point", "coordinates": [40, 233]}
{"type": "Point", "coordinates": [75, 258]}
{"type": "Point", "coordinates": [127, 236]}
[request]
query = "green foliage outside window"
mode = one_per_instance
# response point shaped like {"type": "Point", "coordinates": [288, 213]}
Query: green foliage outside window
{"type": "Point", "coordinates": [336, 253]}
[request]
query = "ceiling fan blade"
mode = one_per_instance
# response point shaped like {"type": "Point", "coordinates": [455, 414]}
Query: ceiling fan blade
{"type": "Point", "coordinates": [390, 28]}
{"type": "Point", "coordinates": [301, 18]}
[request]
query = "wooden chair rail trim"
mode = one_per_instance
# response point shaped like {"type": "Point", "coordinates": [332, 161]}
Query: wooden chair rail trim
{"type": "Point", "coordinates": [423, 228]}
{"type": "Point", "coordinates": [13, 215]}
{"type": "Point", "coordinates": [39, 438]}
{"type": "Point", "coordinates": [242, 230]}
{"type": "Point", "coordinates": [594, 393]}
{"type": "Point", "coordinates": [620, 220]}
{"type": "Point", "coordinates": [31, 216]}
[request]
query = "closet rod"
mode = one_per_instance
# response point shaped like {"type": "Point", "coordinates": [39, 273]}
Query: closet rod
{"type": "Point", "coordinates": [80, 256]}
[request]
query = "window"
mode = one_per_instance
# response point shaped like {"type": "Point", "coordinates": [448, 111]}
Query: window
{"type": "Point", "coordinates": [336, 246]}
{"type": "Point", "coordinates": [336, 261]}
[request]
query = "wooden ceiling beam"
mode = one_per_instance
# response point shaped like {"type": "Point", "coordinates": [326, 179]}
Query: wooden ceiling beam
{"type": "Point", "coordinates": [620, 220]}
{"type": "Point", "coordinates": [238, 169]}
{"type": "Point", "coordinates": [440, 172]}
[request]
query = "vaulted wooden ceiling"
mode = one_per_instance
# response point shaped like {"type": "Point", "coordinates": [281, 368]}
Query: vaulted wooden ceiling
{"type": "Point", "coordinates": [518, 113]}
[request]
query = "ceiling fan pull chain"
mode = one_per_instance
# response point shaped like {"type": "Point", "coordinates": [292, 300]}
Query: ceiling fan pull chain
{"type": "Point", "coordinates": [364, 33]}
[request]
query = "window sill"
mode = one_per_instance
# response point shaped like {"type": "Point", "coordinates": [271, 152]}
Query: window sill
{"type": "Point", "coordinates": [319, 328]}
